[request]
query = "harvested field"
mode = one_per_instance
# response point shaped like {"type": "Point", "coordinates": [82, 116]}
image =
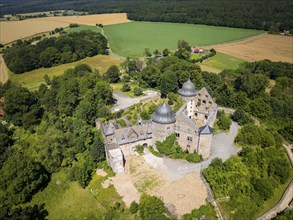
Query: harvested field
{"type": "Point", "coordinates": [105, 19]}
{"type": "Point", "coordinates": [265, 46]}
{"type": "Point", "coordinates": [14, 30]}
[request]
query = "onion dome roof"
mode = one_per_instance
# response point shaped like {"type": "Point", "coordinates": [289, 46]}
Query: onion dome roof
{"type": "Point", "coordinates": [188, 89]}
{"type": "Point", "coordinates": [164, 115]}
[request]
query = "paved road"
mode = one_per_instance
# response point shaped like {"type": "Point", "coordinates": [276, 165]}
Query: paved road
{"type": "Point", "coordinates": [222, 147]}
{"type": "Point", "coordinates": [124, 101]}
{"type": "Point", "coordinates": [3, 71]}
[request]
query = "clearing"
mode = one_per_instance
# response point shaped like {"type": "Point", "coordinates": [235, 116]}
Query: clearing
{"type": "Point", "coordinates": [220, 62]}
{"type": "Point", "coordinates": [130, 39]}
{"type": "Point", "coordinates": [33, 79]}
{"type": "Point", "coordinates": [68, 200]}
{"type": "Point", "coordinates": [265, 46]}
{"type": "Point", "coordinates": [13, 30]}
{"type": "Point", "coordinates": [182, 194]}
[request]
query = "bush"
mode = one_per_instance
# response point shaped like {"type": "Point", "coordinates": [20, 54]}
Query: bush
{"type": "Point", "coordinates": [133, 207]}
{"type": "Point", "coordinates": [137, 91]}
{"type": "Point", "coordinates": [224, 122]}
{"type": "Point", "coordinates": [139, 149]}
{"type": "Point", "coordinates": [241, 117]}
{"type": "Point", "coordinates": [126, 78]}
{"type": "Point", "coordinates": [125, 88]}
{"type": "Point", "coordinates": [194, 158]}
{"type": "Point", "coordinates": [122, 122]}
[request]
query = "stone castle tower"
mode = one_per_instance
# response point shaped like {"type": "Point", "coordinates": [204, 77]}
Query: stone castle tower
{"type": "Point", "coordinates": [163, 123]}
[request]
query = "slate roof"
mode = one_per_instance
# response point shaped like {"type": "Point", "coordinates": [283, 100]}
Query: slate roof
{"type": "Point", "coordinates": [164, 114]}
{"type": "Point", "coordinates": [206, 130]}
{"type": "Point", "coordinates": [188, 89]}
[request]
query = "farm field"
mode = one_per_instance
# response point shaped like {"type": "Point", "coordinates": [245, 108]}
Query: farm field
{"type": "Point", "coordinates": [13, 30]}
{"type": "Point", "coordinates": [105, 19]}
{"type": "Point", "coordinates": [83, 28]}
{"type": "Point", "coordinates": [130, 39]}
{"type": "Point", "coordinates": [33, 79]}
{"type": "Point", "coordinates": [265, 46]}
{"type": "Point", "coordinates": [220, 62]}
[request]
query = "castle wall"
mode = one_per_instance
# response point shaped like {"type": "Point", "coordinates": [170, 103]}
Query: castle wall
{"type": "Point", "coordinates": [205, 143]}
{"type": "Point", "coordinates": [187, 141]}
{"type": "Point", "coordinates": [129, 149]}
{"type": "Point", "coordinates": [161, 131]}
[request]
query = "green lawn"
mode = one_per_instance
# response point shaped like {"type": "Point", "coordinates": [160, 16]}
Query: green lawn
{"type": "Point", "coordinates": [33, 79]}
{"type": "Point", "coordinates": [68, 200]}
{"type": "Point", "coordinates": [130, 39]}
{"type": "Point", "coordinates": [83, 28]}
{"type": "Point", "coordinates": [220, 62]}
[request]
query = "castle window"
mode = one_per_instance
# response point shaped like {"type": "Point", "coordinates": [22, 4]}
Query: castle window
{"type": "Point", "coordinates": [177, 135]}
{"type": "Point", "coordinates": [210, 102]}
{"type": "Point", "coordinates": [189, 138]}
{"type": "Point", "coordinates": [188, 146]}
{"type": "Point", "coordinates": [122, 138]}
{"type": "Point", "coordinates": [207, 96]}
{"type": "Point", "coordinates": [204, 101]}
{"type": "Point", "coordinates": [168, 128]}
{"type": "Point", "coordinates": [195, 114]}
{"type": "Point", "coordinates": [206, 117]}
{"type": "Point", "coordinates": [199, 94]}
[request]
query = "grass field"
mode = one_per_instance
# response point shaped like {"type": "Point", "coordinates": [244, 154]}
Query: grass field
{"type": "Point", "coordinates": [220, 62]}
{"type": "Point", "coordinates": [68, 200]}
{"type": "Point", "coordinates": [130, 39]}
{"type": "Point", "coordinates": [83, 28]}
{"type": "Point", "coordinates": [33, 79]}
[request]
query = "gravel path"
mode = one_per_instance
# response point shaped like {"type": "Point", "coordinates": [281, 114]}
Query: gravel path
{"type": "Point", "coordinates": [124, 101]}
{"type": "Point", "coordinates": [222, 147]}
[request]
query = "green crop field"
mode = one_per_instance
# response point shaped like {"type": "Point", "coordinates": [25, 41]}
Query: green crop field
{"type": "Point", "coordinates": [83, 28]}
{"type": "Point", "coordinates": [33, 79]}
{"type": "Point", "coordinates": [130, 39]}
{"type": "Point", "coordinates": [220, 62]}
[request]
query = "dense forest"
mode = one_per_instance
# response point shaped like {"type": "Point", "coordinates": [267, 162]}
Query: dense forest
{"type": "Point", "coordinates": [24, 56]}
{"type": "Point", "coordinates": [263, 14]}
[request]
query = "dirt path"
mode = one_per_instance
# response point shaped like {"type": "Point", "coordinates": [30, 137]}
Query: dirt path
{"type": "Point", "coordinates": [3, 71]}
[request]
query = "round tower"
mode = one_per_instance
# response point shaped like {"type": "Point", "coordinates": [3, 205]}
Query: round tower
{"type": "Point", "coordinates": [163, 123]}
{"type": "Point", "coordinates": [188, 93]}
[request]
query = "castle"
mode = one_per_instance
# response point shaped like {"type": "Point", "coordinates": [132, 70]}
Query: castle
{"type": "Point", "coordinates": [192, 124]}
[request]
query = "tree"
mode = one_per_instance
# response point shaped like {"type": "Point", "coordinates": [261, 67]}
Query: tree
{"type": "Point", "coordinates": [264, 187]}
{"type": "Point", "coordinates": [150, 76]}
{"type": "Point", "coordinates": [50, 57]}
{"type": "Point", "coordinates": [125, 88]}
{"type": "Point", "coordinates": [224, 122]}
{"type": "Point", "coordinates": [147, 52]}
{"type": "Point", "coordinates": [112, 74]}
{"type": "Point", "coordinates": [20, 182]}
{"type": "Point", "coordinates": [18, 101]}
{"type": "Point", "coordinates": [137, 91]}
{"type": "Point", "coordinates": [169, 83]}
{"type": "Point", "coordinates": [5, 142]}
{"type": "Point", "coordinates": [133, 207]}
{"type": "Point", "coordinates": [165, 52]}
{"type": "Point", "coordinates": [150, 207]}
{"type": "Point", "coordinates": [37, 212]}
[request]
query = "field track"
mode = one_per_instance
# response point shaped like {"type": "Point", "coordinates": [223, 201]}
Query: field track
{"type": "Point", "coordinates": [3, 71]}
{"type": "Point", "coordinates": [264, 46]}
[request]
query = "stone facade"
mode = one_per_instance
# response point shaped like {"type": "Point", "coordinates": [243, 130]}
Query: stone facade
{"type": "Point", "coordinates": [192, 125]}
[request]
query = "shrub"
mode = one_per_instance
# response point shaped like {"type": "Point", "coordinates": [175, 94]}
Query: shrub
{"type": "Point", "coordinates": [133, 207]}
{"type": "Point", "coordinates": [139, 149]}
{"type": "Point", "coordinates": [122, 122]}
{"type": "Point", "coordinates": [194, 158]}
{"type": "Point", "coordinates": [224, 122]}
{"type": "Point", "coordinates": [137, 91]}
{"type": "Point", "coordinates": [241, 117]}
{"type": "Point", "coordinates": [125, 88]}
